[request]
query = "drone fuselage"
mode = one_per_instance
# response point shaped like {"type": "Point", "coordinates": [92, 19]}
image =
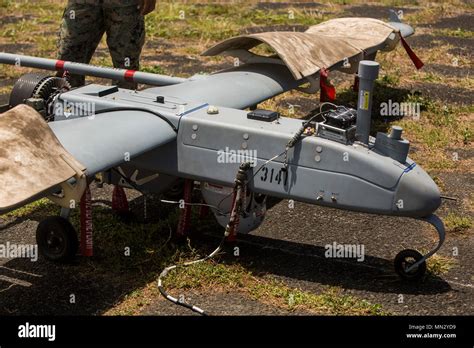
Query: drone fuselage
{"type": "Point", "coordinates": [209, 147]}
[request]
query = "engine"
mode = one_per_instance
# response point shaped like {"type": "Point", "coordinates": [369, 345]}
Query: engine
{"type": "Point", "coordinates": [38, 91]}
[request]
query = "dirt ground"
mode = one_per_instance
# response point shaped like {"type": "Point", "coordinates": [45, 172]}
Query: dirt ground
{"type": "Point", "coordinates": [289, 247]}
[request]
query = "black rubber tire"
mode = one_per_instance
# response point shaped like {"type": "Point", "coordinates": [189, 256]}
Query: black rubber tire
{"type": "Point", "coordinates": [404, 259]}
{"type": "Point", "coordinates": [57, 240]}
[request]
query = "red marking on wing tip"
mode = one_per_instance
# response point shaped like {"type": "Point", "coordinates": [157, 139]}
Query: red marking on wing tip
{"type": "Point", "coordinates": [60, 64]}
{"type": "Point", "coordinates": [129, 75]}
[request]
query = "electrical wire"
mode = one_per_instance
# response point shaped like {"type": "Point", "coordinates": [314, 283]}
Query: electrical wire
{"type": "Point", "coordinates": [189, 263]}
{"type": "Point", "coordinates": [291, 143]}
{"type": "Point", "coordinates": [240, 182]}
{"type": "Point", "coordinates": [186, 264]}
{"type": "Point", "coordinates": [126, 108]}
{"type": "Point", "coordinates": [195, 204]}
{"type": "Point", "coordinates": [131, 108]}
{"type": "Point", "coordinates": [328, 103]}
{"type": "Point", "coordinates": [223, 199]}
{"type": "Point", "coordinates": [268, 161]}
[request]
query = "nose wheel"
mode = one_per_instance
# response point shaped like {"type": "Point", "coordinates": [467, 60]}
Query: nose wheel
{"type": "Point", "coordinates": [57, 240]}
{"type": "Point", "coordinates": [410, 264]}
{"type": "Point", "coordinates": [404, 261]}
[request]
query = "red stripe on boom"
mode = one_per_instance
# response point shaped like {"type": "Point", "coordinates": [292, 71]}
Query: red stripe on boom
{"type": "Point", "coordinates": [60, 64]}
{"type": "Point", "coordinates": [129, 75]}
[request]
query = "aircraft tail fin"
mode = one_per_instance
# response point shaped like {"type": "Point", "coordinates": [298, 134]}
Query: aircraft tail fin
{"type": "Point", "coordinates": [393, 16]}
{"type": "Point", "coordinates": [395, 21]}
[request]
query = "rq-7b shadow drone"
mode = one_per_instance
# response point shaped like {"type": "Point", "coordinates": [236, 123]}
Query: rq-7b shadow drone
{"type": "Point", "coordinates": [197, 129]}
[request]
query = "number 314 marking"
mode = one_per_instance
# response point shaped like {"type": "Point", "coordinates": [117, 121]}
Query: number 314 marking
{"type": "Point", "coordinates": [274, 177]}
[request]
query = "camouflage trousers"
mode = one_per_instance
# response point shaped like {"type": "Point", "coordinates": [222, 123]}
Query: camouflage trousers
{"type": "Point", "coordinates": [83, 26]}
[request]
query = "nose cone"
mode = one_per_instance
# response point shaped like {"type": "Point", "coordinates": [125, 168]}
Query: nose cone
{"type": "Point", "coordinates": [417, 194]}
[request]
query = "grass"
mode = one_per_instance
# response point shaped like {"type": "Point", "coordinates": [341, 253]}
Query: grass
{"type": "Point", "coordinates": [458, 223]}
{"type": "Point", "coordinates": [148, 242]}
{"type": "Point", "coordinates": [438, 264]}
{"type": "Point", "coordinates": [40, 207]}
{"type": "Point", "coordinates": [459, 32]}
{"type": "Point", "coordinates": [151, 250]}
{"type": "Point", "coordinates": [155, 69]}
{"type": "Point", "coordinates": [332, 301]}
{"type": "Point", "coordinates": [438, 128]}
{"type": "Point", "coordinates": [211, 22]}
{"type": "Point", "coordinates": [211, 276]}
{"type": "Point", "coordinates": [438, 181]}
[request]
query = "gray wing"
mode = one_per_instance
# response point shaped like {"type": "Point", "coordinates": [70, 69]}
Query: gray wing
{"type": "Point", "coordinates": [238, 88]}
{"type": "Point", "coordinates": [109, 139]}
{"type": "Point", "coordinates": [36, 158]}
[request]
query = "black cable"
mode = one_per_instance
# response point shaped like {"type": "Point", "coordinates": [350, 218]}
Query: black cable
{"type": "Point", "coordinates": [222, 200]}
{"type": "Point", "coordinates": [131, 108]}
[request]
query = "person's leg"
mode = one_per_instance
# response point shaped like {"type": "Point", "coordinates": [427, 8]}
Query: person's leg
{"type": "Point", "coordinates": [125, 28]}
{"type": "Point", "coordinates": [81, 30]}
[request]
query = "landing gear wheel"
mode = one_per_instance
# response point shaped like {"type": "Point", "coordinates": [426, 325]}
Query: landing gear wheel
{"type": "Point", "coordinates": [405, 259]}
{"type": "Point", "coordinates": [57, 240]}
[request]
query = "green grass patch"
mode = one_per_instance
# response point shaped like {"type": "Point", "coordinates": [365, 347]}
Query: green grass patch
{"type": "Point", "coordinates": [437, 264]}
{"type": "Point", "coordinates": [126, 246]}
{"type": "Point", "coordinates": [439, 125]}
{"type": "Point", "coordinates": [155, 69]}
{"type": "Point", "coordinates": [40, 207]}
{"type": "Point", "coordinates": [459, 32]}
{"type": "Point", "coordinates": [458, 223]}
{"type": "Point", "coordinates": [331, 301]}
{"type": "Point", "coordinates": [214, 275]}
{"type": "Point", "coordinates": [208, 274]}
{"type": "Point", "coordinates": [217, 22]}
{"type": "Point", "coordinates": [438, 181]}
